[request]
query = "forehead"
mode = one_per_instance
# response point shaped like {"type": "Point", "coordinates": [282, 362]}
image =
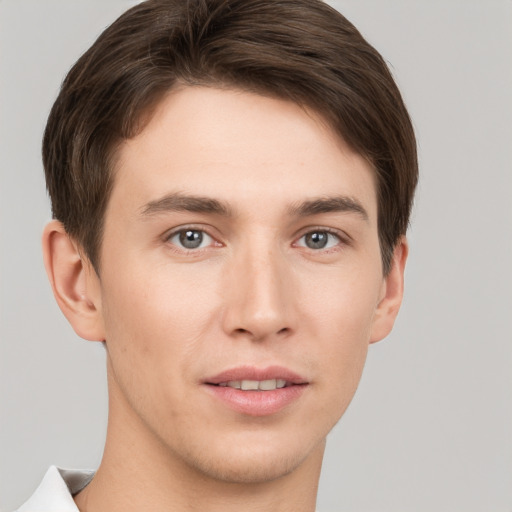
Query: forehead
{"type": "Point", "coordinates": [236, 146]}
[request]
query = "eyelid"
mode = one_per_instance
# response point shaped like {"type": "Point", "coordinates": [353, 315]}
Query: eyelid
{"type": "Point", "coordinates": [183, 227]}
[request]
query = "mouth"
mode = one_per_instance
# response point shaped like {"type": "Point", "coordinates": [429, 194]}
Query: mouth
{"type": "Point", "coordinates": [257, 392]}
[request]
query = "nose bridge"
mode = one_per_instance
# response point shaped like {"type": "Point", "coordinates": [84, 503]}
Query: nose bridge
{"type": "Point", "coordinates": [260, 304]}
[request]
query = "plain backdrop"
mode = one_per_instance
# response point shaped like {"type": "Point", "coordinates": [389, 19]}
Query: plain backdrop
{"type": "Point", "coordinates": [430, 427]}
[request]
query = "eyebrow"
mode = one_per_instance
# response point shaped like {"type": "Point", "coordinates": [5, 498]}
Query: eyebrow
{"type": "Point", "coordinates": [329, 205]}
{"type": "Point", "coordinates": [177, 202]}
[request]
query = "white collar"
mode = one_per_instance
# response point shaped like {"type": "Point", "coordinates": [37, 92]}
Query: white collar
{"type": "Point", "coordinates": [55, 492]}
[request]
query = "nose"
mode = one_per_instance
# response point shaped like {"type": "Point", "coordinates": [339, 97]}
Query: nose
{"type": "Point", "coordinates": [259, 296]}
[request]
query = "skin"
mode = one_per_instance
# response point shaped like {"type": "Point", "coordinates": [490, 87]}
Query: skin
{"type": "Point", "coordinates": [254, 293]}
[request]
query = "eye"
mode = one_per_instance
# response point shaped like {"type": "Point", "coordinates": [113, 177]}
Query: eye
{"type": "Point", "coordinates": [319, 239]}
{"type": "Point", "coordinates": [190, 239]}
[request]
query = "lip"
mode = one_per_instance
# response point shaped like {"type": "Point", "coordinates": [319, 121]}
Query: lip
{"type": "Point", "coordinates": [253, 373]}
{"type": "Point", "coordinates": [256, 403]}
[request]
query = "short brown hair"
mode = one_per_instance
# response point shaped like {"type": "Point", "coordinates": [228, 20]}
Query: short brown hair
{"type": "Point", "coordinates": [300, 50]}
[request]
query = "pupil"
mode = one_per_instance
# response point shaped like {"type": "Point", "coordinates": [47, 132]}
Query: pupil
{"type": "Point", "coordinates": [191, 239]}
{"type": "Point", "coordinates": [317, 240]}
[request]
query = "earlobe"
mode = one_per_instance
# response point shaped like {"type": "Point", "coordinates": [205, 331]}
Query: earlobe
{"type": "Point", "coordinates": [74, 282]}
{"type": "Point", "coordinates": [392, 294]}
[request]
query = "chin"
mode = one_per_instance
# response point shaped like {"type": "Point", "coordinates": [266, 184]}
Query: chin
{"type": "Point", "coordinates": [249, 470]}
{"type": "Point", "coordinates": [245, 462]}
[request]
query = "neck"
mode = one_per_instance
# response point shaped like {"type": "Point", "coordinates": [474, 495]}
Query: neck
{"type": "Point", "coordinates": [138, 472]}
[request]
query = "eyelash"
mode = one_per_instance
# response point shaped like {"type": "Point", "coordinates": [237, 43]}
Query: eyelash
{"type": "Point", "coordinates": [342, 238]}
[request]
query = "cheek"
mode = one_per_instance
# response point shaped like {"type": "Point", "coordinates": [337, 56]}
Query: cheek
{"type": "Point", "coordinates": [343, 316]}
{"type": "Point", "coordinates": [344, 303]}
{"type": "Point", "coordinates": [153, 326]}
{"type": "Point", "coordinates": [157, 316]}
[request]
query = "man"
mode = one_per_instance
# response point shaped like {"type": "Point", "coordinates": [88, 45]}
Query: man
{"type": "Point", "coordinates": [231, 183]}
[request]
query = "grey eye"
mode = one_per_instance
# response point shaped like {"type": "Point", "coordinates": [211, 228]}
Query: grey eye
{"type": "Point", "coordinates": [318, 240]}
{"type": "Point", "coordinates": [191, 239]}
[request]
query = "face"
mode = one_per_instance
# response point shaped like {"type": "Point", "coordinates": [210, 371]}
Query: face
{"type": "Point", "coordinates": [240, 283]}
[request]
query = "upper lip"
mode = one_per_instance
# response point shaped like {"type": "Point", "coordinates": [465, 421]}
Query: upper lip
{"type": "Point", "coordinates": [252, 373]}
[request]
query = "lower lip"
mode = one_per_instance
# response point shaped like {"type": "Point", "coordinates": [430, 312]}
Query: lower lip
{"type": "Point", "coordinates": [257, 403]}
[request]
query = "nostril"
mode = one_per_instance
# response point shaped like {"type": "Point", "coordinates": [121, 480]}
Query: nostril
{"type": "Point", "coordinates": [260, 335]}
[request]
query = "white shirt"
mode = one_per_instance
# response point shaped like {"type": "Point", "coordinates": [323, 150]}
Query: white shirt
{"type": "Point", "coordinates": [55, 493]}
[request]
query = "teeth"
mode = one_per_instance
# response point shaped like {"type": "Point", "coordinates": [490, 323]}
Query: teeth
{"type": "Point", "coordinates": [249, 385]}
{"type": "Point", "coordinates": [267, 385]}
{"type": "Point", "coordinates": [255, 385]}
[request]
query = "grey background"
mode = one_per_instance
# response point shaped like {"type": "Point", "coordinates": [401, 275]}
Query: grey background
{"type": "Point", "coordinates": [431, 425]}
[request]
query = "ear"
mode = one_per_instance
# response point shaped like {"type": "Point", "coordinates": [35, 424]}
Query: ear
{"type": "Point", "coordinates": [391, 294]}
{"type": "Point", "coordinates": [74, 282]}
